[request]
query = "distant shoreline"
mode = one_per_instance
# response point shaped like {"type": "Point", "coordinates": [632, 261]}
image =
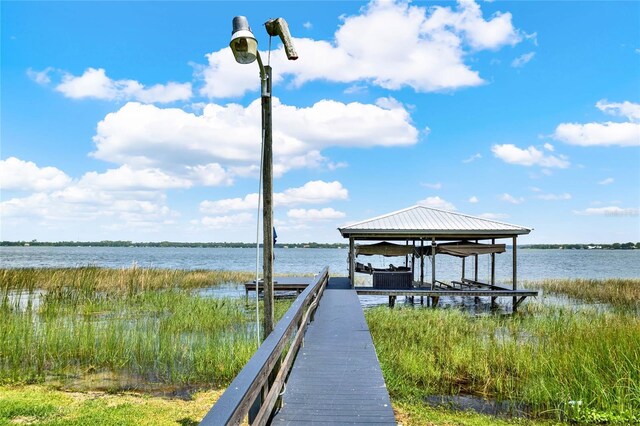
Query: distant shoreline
{"type": "Point", "coordinates": [171, 244]}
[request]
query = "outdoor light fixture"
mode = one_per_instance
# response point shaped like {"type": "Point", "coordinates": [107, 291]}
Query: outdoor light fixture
{"type": "Point", "coordinates": [244, 46]}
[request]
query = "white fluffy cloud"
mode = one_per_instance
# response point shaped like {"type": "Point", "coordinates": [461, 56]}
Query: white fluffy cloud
{"type": "Point", "coordinates": [118, 199]}
{"type": "Point", "coordinates": [522, 60]}
{"type": "Point", "coordinates": [606, 181]}
{"type": "Point", "coordinates": [436, 185]}
{"type": "Point", "coordinates": [77, 203]}
{"type": "Point", "coordinates": [437, 203]}
{"type": "Point", "coordinates": [473, 199]}
{"type": "Point", "coordinates": [225, 222]}
{"type": "Point", "coordinates": [40, 77]}
{"type": "Point", "coordinates": [530, 156]}
{"type": "Point", "coordinates": [94, 83]}
{"type": "Point", "coordinates": [599, 134]}
{"type": "Point", "coordinates": [127, 178]}
{"type": "Point", "coordinates": [433, 45]}
{"type": "Point", "coordinates": [22, 175]}
{"type": "Point", "coordinates": [494, 216]}
{"type": "Point", "coordinates": [555, 197]}
{"type": "Point", "coordinates": [314, 192]}
{"type": "Point", "coordinates": [146, 136]}
{"type": "Point", "coordinates": [604, 134]}
{"type": "Point", "coordinates": [473, 158]}
{"type": "Point", "coordinates": [608, 211]}
{"type": "Point", "coordinates": [626, 109]}
{"type": "Point", "coordinates": [510, 199]}
{"type": "Point", "coordinates": [313, 215]}
{"type": "Point", "coordinates": [250, 201]}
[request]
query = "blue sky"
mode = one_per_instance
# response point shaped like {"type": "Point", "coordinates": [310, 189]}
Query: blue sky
{"type": "Point", "coordinates": [131, 120]}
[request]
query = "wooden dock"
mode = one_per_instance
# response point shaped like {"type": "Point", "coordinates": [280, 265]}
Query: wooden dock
{"type": "Point", "coordinates": [281, 284]}
{"type": "Point", "coordinates": [336, 378]}
{"type": "Point", "coordinates": [319, 365]}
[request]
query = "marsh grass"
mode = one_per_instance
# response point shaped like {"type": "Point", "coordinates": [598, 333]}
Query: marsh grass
{"type": "Point", "coordinates": [544, 358]}
{"type": "Point", "coordinates": [125, 280]}
{"type": "Point", "coordinates": [619, 292]}
{"type": "Point", "coordinates": [145, 324]}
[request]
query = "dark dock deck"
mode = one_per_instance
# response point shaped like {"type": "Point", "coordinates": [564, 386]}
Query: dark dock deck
{"type": "Point", "coordinates": [370, 291]}
{"type": "Point", "coordinates": [297, 284]}
{"type": "Point", "coordinates": [336, 378]}
{"type": "Point", "coordinates": [320, 357]}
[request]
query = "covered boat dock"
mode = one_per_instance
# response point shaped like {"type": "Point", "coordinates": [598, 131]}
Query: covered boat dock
{"type": "Point", "coordinates": [418, 232]}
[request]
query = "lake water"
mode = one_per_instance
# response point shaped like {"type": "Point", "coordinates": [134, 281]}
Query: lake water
{"type": "Point", "coordinates": [532, 264]}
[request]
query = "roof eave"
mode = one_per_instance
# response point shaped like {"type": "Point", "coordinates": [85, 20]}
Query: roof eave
{"type": "Point", "coordinates": [427, 233]}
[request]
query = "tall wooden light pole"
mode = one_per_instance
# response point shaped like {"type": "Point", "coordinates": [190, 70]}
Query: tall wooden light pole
{"type": "Point", "coordinates": [245, 50]}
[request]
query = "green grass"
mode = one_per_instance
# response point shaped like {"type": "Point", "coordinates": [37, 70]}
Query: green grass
{"type": "Point", "coordinates": [133, 324]}
{"type": "Point", "coordinates": [413, 412]}
{"type": "Point", "coordinates": [618, 292]}
{"type": "Point", "coordinates": [544, 357]}
{"type": "Point", "coordinates": [124, 280]}
{"type": "Point", "coordinates": [34, 404]}
{"type": "Point", "coordinates": [150, 330]}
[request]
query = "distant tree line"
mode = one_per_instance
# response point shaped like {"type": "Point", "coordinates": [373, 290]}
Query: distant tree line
{"type": "Point", "coordinates": [108, 243]}
{"type": "Point", "coordinates": [614, 246]}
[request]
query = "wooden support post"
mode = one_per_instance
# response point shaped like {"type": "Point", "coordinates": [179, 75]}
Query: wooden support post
{"type": "Point", "coordinates": [421, 262]}
{"type": "Point", "coordinates": [477, 299]}
{"type": "Point", "coordinates": [520, 300]}
{"type": "Point", "coordinates": [413, 263]}
{"type": "Point", "coordinates": [463, 268]}
{"type": "Point", "coordinates": [352, 262]}
{"type": "Point", "coordinates": [476, 267]}
{"type": "Point", "coordinates": [406, 256]}
{"type": "Point", "coordinates": [515, 271]}
{"type": "Point", "coordinates": [267, 210]}
{"type": "Point", "coordinates": [493, 271]}
{"type": "Point", "coordinates": [433, 262]}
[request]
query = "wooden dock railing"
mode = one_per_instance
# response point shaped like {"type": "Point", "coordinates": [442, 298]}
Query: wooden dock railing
{"type": "Point", "coordinates": [258, 385]}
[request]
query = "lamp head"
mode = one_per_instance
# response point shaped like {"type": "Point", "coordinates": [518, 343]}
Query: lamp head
{"type": "Point", "coordinates": [243, 44]}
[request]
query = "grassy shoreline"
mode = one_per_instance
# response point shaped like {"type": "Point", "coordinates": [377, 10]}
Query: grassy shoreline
{"type": "Point", "coordinates": [146, 324]}
{"type": "Point", "coordinates": [618, 292]}
{"type": "Point", "coordinates": [152, 327]}
{"type": "Point", "coordinates": [546, 358]}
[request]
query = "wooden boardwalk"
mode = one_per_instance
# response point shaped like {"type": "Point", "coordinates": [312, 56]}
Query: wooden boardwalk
{"type": "Point", "coordinates": [281, 284]}
{"type": "Point", "coordinates": [336, 378]}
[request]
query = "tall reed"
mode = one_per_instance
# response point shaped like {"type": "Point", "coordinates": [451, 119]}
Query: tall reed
{"type": "Point", "coordinates": [621, 292]}
{"type": "Point", "coordinates": [147, 324]}
{"type": "Point", "coordinates": [122, 280]}
{"type": "Point", "coordinates": [555, 360]}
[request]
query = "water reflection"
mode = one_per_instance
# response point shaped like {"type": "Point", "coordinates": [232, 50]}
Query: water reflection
{"type": "Point", "coordinates": [23, 300]}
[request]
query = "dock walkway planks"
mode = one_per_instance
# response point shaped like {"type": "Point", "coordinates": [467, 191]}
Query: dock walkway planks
{"type": "Point", "coordinates": [336, 378]}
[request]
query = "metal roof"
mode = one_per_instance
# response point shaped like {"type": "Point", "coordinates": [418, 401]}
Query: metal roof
{"type": "Point", "coordinates": [421, 221]}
